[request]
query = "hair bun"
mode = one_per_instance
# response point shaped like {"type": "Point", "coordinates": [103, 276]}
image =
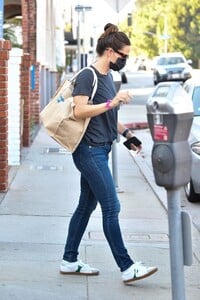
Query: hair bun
{"type": "Point", "coordinates": [110, 27]}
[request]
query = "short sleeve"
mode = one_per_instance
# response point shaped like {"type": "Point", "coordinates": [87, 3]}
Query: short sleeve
{"type": "Point", "coordinates": [83, 83]}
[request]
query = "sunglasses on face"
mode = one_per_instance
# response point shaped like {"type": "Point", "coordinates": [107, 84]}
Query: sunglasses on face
{"type": "Point", "coordinates": [125, 56]}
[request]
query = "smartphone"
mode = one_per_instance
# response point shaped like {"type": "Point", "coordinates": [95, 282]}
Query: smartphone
{"type": "Point", "coordinates": [132, 140]}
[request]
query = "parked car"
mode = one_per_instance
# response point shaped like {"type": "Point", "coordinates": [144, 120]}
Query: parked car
{"type": "Point", "coordinates": [171, 67]}
{"type": "Point", "coordinates": [117, 79]}
{"type": "Point", "coordinates": [123, 77]}
{"type": "Point", "coordinates": [142, 65]}
{"type": "Point", "coordinates": [192, 189]}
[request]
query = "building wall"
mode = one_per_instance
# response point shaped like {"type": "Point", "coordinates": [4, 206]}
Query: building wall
{"type": "Point", "coordinates": [25, 95]}
{"type": "Point", "coordinates": [50, 46]}
{"type": "Point", "coordinates": [31, 97]}
{"type": "Point", "coordinates": [15, 106]}
{"type": "Point", "coordinates": [29, 27]}
{"type": "Point", "coordinates": [50, 34]}
{"type": "Point", "coordinates": [42, 22]}
{"type": "Point", "coordinates": [5, 47]}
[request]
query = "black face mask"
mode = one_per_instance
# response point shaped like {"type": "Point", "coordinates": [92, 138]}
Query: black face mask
{"type": "Point", "coordinates": [118, 65]}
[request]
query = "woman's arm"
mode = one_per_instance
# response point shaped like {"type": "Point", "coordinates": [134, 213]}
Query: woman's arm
{"type": "Point", "coordinates": [84, 110]}
{"type": "Point", "coordinates": [127, 133]}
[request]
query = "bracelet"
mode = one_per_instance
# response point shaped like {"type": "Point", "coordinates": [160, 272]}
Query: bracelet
{"type": "Point", "coordinates": [125, 132]}
{"type": "Point", "coordinates": [108, 102]}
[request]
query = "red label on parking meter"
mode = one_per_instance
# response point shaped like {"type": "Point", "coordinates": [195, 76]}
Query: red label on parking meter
{"type": "Point", "coordinates": [161, 133]}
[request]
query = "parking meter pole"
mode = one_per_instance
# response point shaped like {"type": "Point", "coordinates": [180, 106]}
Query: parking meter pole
{"type": "Point", "coordinates": [114, 163]}
{"type": "Point", "coordinates": [114, 166]}
{"type": "Point", "coordinates": [117, 82]}
{"type": "Point", "coordinates": [170, 114]}
{"type": "Point", "coordinates": [176, 244]}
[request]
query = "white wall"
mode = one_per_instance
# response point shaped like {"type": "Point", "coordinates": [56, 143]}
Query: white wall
{"type": "Point", "coordinates": [14, 107]}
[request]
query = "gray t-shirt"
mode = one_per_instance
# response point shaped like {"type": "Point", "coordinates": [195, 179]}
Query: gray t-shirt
{"type": "Point", "coordinates": [102, 128]}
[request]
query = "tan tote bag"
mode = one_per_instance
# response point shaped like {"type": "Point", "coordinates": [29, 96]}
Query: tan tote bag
{"type": "Point", "coordinates": [58, 115]}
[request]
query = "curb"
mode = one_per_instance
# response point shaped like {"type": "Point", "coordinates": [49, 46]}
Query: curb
{"type": "Point", "coordinates": [137, 125]}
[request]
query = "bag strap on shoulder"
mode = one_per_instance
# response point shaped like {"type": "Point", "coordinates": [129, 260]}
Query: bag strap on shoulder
{"type": "Point", "coordinates": [94, 84]}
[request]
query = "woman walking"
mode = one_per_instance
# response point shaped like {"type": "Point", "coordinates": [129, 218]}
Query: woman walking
{"type": "Point", "coordinates": [91, 158]}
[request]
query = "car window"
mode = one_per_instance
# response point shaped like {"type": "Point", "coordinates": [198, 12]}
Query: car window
{"type": "Point", "coordinates": [170, 60]}
{"type": "Point", "coordinates": [178, 60]}
{"type": "Point", "coordinates": [162, 61]}
{"type": "Point", "coordinates": [196, 101]}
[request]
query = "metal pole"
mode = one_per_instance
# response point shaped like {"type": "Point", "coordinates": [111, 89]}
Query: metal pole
{"type": "Point", "coordinates": [84, 37]}
{"type": "Point", "coordinates": [114, 154]}
{"type": "Point", "coordinates": [115, 166]}
{"type": "Point", "coordinates": [117, 9]}
{"type": "Point", "coordinates": [114, 163]}
{"type": "Point", "coordinates": [83, 9]}
{"type": "Point", "coordinates": [78, 42]}
{"type": "Point", "coordinates": [176, 244]}
{"type": "Point", "coordinates": [117, 6]}
{"type": "Point", "coordinates": [165, 34]}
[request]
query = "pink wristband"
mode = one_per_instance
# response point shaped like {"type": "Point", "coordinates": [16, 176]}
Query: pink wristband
{"type": "Point", "coordinates": [108, 102]}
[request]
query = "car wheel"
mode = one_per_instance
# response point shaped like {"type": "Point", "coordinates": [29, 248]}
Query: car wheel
{"type": "Point", "coordinates": [190, 193]}
{"type": "Point", "coordinates": [155, 79]}
{"type": "Point", "coordinates": [124, 78]}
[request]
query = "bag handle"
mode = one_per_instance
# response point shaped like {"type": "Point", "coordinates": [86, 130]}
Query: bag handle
{"type": "Point", "coordinates": [94, 84]}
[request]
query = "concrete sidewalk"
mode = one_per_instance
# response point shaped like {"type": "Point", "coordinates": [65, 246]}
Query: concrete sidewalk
{"type": "Point", "coordinates": [34, 216]}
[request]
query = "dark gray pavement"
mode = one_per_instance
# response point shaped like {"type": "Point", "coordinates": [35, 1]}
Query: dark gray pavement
{"type": "Point", "coordinates": [34, 216]}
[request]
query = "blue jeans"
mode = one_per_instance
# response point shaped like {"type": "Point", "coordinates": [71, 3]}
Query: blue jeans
{"type": "Point", "coordinates": [96, 186]}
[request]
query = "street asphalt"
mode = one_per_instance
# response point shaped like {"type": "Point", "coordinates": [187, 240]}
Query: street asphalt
{"type": "Point", "coordinates": [35, 212]}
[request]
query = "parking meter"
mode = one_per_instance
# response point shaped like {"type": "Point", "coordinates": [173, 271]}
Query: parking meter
{"type": "Point", "coordinates": [170, 115]}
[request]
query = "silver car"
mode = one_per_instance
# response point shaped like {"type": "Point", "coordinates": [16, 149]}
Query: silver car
{"type": "Point", "coordinates": [171, 67]}
{"type": "Point", "coordinates": [192, 189]}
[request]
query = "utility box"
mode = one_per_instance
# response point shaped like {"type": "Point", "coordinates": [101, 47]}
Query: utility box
{"type": "Point", "coordinates": [170, 116]}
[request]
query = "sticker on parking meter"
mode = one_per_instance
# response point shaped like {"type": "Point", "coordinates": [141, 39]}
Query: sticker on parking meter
{"type": "Point", "coordinates": [160, 133]}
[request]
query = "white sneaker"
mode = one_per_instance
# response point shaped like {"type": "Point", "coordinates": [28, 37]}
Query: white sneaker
{"type": "Point", "coordinates": [77, 268]}
{"type": "Point", "coordinates": [137, 271]}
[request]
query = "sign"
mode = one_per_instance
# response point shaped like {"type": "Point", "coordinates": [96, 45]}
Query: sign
{"type": "Point", "coordinates": [117, 5]}
{"type": "Point", "coordinates": [1, 18]}
{"type": "Point", "coordinates": [32, 71]}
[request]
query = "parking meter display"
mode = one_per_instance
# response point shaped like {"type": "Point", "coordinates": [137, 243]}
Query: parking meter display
{"type": "Point", "coordinates": [161, 133]}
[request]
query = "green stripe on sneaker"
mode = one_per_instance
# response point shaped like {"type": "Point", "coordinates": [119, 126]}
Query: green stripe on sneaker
{"type": "Point", "coordinates": [78, 269]}
{"type": "Point", "coordinates": [135, 273]}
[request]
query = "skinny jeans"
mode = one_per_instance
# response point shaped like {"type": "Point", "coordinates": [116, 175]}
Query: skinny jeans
{"type": "Point", "coordinates": [96, 187]}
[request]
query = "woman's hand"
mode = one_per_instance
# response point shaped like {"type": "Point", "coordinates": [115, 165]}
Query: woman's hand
{"type": "Point", "coordinates": [128, 134]}
{"type": "Point", "coordinates": [121, 97]}
{"type": "Point", "coordinates": [136, 148]}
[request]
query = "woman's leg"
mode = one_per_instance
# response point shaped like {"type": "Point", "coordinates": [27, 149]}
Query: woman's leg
{"type": "Point", "coordinates": [93, 165]}
{"type": "Point", "coordinates": [79, 221]}
{"type": "Point", "coordinates": [96, 180]}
